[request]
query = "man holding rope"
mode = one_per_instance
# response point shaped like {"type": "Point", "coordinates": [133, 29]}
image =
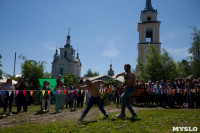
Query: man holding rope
{"type": "Point", "coordinates": [92, 87]}
{"type": "Point", "coordinates": [129, 86]}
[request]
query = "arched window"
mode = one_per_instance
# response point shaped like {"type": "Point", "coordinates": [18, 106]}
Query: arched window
{"type": "Point", "coordinates": [65, 54]}
{"type": "Point", "coordinates": [149, 35]}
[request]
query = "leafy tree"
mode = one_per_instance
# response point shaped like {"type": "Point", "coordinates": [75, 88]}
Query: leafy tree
{"type": "Point", "coordinates": [91, 74]}
{"type": "Point", "coordinates": [68, 78]}
{"type": "Point", "coordinates": [183, 69]}
{"type": "Point", "coordinates": [32, 71]}
{"type": "Point", "coordinates": [157, 66]}
{"type": "Point", "coordinates": [1, 72]}
{"type": "Point", "coordinates": [194, 50]}
{"type": "Point", "coordinates": [152, 68]}
{"type": "Point", "coordinates": [169, 66]}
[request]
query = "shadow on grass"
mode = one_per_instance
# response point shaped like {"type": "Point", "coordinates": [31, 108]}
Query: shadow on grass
{"type": "Point", "coordinates": [41, 112]}
{"type": "Point", "coordinates": [2, 117]}
{"type": "Point", "coordinates": [115, 119]}
{"type": "Point", "coordinates": [15, 113]}
{"type": "Point", "coordinates": [88, 122]}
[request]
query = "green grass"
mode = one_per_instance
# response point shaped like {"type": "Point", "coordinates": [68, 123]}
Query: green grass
{"type": "Point", "coordinates": [150, 120]}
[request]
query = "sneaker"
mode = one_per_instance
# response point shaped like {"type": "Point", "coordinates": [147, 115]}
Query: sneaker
{"type": "Point", "coordinates": [10, 114]}
{"type": "Point", "coordinates": [121, 116]}
{"type": "Point", "coordinates": [106, 115]}
{"type": "Point", "coordinates": [4, 114]}
{"type": "Point", "coordinates": [134, 115]}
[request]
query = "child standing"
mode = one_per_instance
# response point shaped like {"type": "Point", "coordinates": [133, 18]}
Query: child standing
{"type": "Point", "coordinates": [46, 97]}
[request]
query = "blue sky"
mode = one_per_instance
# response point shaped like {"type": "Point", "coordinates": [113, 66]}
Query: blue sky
{"type": "Point", "coordinates": [101, 30]}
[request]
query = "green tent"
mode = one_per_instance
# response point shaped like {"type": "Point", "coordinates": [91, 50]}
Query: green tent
{"type": "Point", "coordinates": [51, 81]}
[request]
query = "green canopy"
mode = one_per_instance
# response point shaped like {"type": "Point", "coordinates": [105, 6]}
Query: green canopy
{"type": "Point", "coordinates": [51, 81]}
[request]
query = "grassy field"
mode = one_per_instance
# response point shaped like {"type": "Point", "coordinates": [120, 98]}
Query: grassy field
{"type": "Point", "coordinates": [149, 120]}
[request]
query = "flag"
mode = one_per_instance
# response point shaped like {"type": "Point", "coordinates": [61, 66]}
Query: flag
{"type": "Point", "coordinates": [59, 92]}
{"type": "Point", "coordinates": [24, 93]}
{"type": "Point", "coordinates": [43, 92]}
{"type": "Point", "coordinates": [64, 92]}
{"type": "Point", "coordinates": [49, 92]}
{"type": "Point", "coordinates": [17, 91]}
{"type": "Point", "coordinates": [9, 93]}
{"type": "Point", "coordinates": [81, 92]}
{"type": "Point", "coordinates": [54, 92]}
{"type": "Point", "coordinates": [68, 92]}
{"type": "Point", "coordinates": [31, 92]}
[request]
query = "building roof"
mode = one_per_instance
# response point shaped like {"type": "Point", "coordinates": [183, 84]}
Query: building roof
{"type": "Point", "coordinates": [101, 77]}
{"type": "Point", "coordinates": [120, 78]}
{"type": "Point", "coordinates": [98, 77]}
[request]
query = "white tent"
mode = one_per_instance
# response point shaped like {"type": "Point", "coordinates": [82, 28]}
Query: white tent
{"type": "Point", "coordinates": [2, 81]}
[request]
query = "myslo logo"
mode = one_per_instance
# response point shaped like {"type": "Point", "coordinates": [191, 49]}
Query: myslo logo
{"type": "Point", "coordinates": [194, 129]}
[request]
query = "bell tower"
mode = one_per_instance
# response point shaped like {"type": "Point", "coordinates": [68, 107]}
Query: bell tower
{"type": "Point", "coordinates": [149, 31]}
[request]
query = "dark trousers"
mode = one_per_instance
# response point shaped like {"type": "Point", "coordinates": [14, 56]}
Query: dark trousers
{"type": "Point", "coordinates": [80, 100]}
{"type": "Point", "coordinates": [73, 103]}
{"type": "Point", "coordinates": [198, 100]}
{"type": "Point", "coordinates": [8, 101]}
{"type": "Point", "coordinates": [146, 98]}
{"type": "Point", "coordinates": [22, 101]}
{"type": "Point", "coordinates": [92, 101]}
{"type": "Point", "coordinates": [190, 100]}
{"type": "Point", "coordinates": [179, 99]}
{"type": "Point", "coordinates": [171, 102]}
{"type": "Point", "coordinates": [1, 102]}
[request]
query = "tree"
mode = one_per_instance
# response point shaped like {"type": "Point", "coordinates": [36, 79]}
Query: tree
{"type": "Point", "coordinates": [194, 50]}
{"type": "Point", "coordinates": [152, 68]}
{"type": "Point", "coordinates": [183, 69]}
{"type": "Point", "coordinates": [32, 70]}
{"type": "Point", "coordinates": [68, 79]}
{"type": "Point", "coordinates": [1, 72]}
{"type": "Point", "coordinates": [157, 67]}
{"type": "Point", "coordinates": [91, 74]}
{"type": "Point", "coordinates": [169, 66]}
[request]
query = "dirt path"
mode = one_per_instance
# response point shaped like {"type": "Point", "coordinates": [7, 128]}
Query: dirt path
{"type": "Point", "coordinates": [34, 116]}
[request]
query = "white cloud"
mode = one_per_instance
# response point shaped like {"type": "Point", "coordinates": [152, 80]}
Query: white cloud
{"type": "Point", "coordinates": [110, 52]}
{"type": "Point", "coordinates": [111, 47]}
{"type": "Point", "coordinates": [49, 45]}
{"type": "Point", "coordinates": [178, 52]}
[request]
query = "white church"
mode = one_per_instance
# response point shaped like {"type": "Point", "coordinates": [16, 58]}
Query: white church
{"type": "Point", "coordinates": [66, 62]}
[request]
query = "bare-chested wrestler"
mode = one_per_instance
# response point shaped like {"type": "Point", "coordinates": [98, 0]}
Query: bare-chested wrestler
{"type": "Point", "coordinates": [92, 87]}
{"type": "Point", "coordinates": [129, 86]}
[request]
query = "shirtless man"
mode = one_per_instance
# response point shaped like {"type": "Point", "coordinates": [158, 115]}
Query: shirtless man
{"type": "Point", "coordinates": [129, 86]}
{"type": "Point", "coordinates": [92, 87]}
